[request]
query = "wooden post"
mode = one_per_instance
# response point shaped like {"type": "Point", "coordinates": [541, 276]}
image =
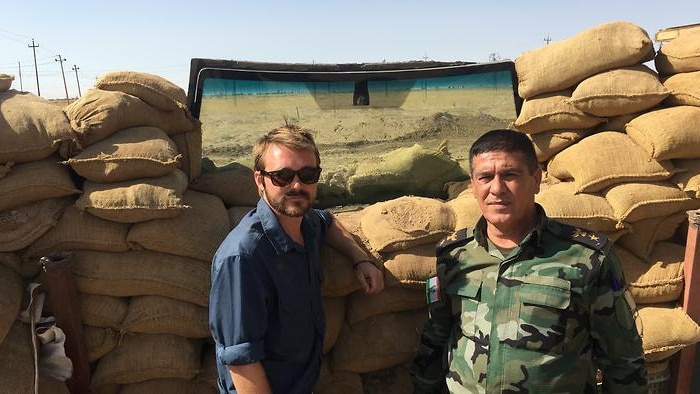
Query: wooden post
{"type": "Point", "coordinates": [63, 296]}
{"type": "Point", "coordinates": [683, 364]}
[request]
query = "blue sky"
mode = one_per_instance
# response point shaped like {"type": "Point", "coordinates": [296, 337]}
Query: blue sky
{"type": "Point", "coordinates": [160, 37]}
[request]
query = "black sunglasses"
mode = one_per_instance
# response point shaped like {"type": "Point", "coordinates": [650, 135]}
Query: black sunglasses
{"type": "Point", "coordinates": [285, 176]}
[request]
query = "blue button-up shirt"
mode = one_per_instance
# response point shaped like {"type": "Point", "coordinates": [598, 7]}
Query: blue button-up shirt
{"type": "Point", "coordinates": [265, 301]}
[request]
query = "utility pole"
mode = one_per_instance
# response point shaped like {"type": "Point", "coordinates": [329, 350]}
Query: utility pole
{"type": "Point", "coordinates": [76, 68]}
{"type": "Point", "coordinates": [19, 68]}
{"type": "Point", "coordinates": [61, 60]}
{"type": "Point", "coordinates": [547, 39]}
{"type": "Point", "coordinates": [36, 70]}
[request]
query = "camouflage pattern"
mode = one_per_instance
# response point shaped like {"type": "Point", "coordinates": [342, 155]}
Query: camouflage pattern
{"type": "Point", "coordinates": [540, 320]}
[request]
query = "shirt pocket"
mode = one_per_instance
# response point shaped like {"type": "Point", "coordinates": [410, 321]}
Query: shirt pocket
{"type": "Point", "coordinates": [466, 296]}
{"type": "Point", "coordinates": [543, 316]}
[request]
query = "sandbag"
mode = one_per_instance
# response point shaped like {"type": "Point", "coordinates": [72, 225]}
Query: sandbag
{"type": "Point", "coordinates": [610, 157]}
{"type": "Point", "coordinates": [99, 341]}
{"type": "Point", "coordinates": [11, 261]}
{"type": "Point", "coordinates": [77, 230]}
{"type": "Point", "coordinates": [395, 380]}
{"type": "Point", "coordinates": [152, 314]}
{"type": "Point", "coordinates": [337, 278]}
{"type": "Point", "coordinates": [196, 233]}
{"type": "Point", "coordinates": [685, 89]}
{"type": "Point", "coordinates": [619, 92]}
{"type": "Point", "coordinates": [6, 81]}
{"type": "Point", "coordinates": [235, 214]}
{"type": "Point", "coordinates": [688, 180]}
{"type": "Point", "coordinates": [189, 144]}
{"type": "Point", "coordinates": [379, 342]}
{"type": "Point", "coordinates": [138, 273]}
{"type": "Point", "coordinates": [668, 133]}
{"type": "Point", "coordinates": [153, 89]}
{"type": "Point", "coordinates": [334, 311]}
{"type": "Point", "coordinates": [682, 54]}
{"type": "Point", "coordinates": [360, 306]}
{"type": "Point", "coordinates": [563, 64]}
{"type": "Point", "coordinates": [634, 201]}
{"type": "Point", "coordinates": [337, 382]}
{"type": "Point", "coordinates": [411, 267]}
{"type": "Point", "coordinates": [144, 357]}
{"type": "Point", "coordinates": [585, 210]}
{"type": "Point", "coordinates": [666, 330]}
{"type": "Point", "coordinates": [466, 210]}
{"type": "Point", "coordinates": [552, 111]}
{"type": "Point", "coordinates": [170, 386]}
{"type": "Point", "coordinates": [35, 181]}
{"type": "Point", "coordinates": [11, 291]}
{"type": "Point", "coordinates": [136, 200]}
{"type": "Point", "coordinates": [551, 142]}
{"type": "Point", "coordinates": [136, 152]}
{"type": "Point", "coordinates": [17, 360]}
{"type": "Point", "coordinates": [405, 222]}
{"type": "Point", "coordinates": [656, 279]}
{"type": "Point", "coordinates": [32, 127]}
{"type": "Point", "coordinates": [102, 310]}
{"type": "Point", "coordinates": [233, 183]}
{"type": "Point", "coordinates": [645, 233]}
{"type": "Point", "coordinates": [21, 226]}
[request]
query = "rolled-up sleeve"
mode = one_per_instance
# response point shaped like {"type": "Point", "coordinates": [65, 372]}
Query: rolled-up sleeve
{"type": "Point", "coordinates": [238, 310]}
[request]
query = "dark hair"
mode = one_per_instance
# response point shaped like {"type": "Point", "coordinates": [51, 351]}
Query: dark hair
{"type": "Point", "coordinates": [289, 135]}
{"type": "Point", "coordinates": [508, 141]}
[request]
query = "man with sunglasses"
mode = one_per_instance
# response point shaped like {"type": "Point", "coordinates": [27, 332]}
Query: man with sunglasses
{"type": "Point", "coordinates": [265, 309]}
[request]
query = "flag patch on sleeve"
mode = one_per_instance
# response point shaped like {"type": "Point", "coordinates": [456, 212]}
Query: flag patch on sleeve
{"type": "Point", "coordinates": [432, 290]}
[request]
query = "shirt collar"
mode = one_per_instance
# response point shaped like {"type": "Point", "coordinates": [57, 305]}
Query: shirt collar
{"type": "Point", "coordinates": [280, 241]}
{"type": "Point", "coordinates": [534, 236]}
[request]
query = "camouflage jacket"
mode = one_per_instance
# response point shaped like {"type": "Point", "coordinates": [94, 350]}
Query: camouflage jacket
{"type": "Point", "coordinates": [539, 321]}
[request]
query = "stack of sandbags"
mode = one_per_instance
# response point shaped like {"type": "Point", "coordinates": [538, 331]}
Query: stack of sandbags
{"type": "Point", "coordinates": [620, 151]}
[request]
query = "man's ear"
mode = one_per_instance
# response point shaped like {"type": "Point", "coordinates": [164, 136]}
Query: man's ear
{"type": "Point", "coordinates": [538, 179]}
{"type": "Point", "coordinates": [259, 181]}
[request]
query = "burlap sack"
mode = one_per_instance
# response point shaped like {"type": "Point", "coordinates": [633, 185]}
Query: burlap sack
{"type": "Point", "coordinates": [656, 279]}
{"type": "Point", "coordinates": [31, 129]}
{"type": "Point", "coordinates": [585, 210]}
{"type": "Point", "coordinates": [616, 123]}
{"type": "Point", "coordinates": [21, 226]}
{"type": "Point", "coordinates": [138, 273]}
{"type": "Point", "coordinates": [395, 380]}
{"type": "Point", "coordinates": [645, 233]}
{"type": "Point", "coordinates": [337, 382]}
{"type": "Point", "coordinates": [51, 385]}
{"type": "Point", "coordinates": [11, 261]}
{"type": "Point", "coordinates": [604, 159]}
{"type": "Point", "coordinates": [549, 143]}
{"type": "Point", "coordinates": [414, 170]}
{"type": "Point", "coordinates": [466, 210]}
{"type": "Point", "coordinates": [393, 299]}
{"type": "Point", "coordinates": [99, 341]}
{"type": "Point", "coordinates": [338, 279]}
{"type": "Point", "coordinates": [351, 219]}
{"type": "Point", "coordinates": [11, 291]}
{"type": "Point", "coordinates": [144, 357]}
{"type": "Point", "coordinates": [688, 180]}
{"type": "Point", "coordinates": [97, 114]}
{"type": "Point", "coordinates": [619, 92]}
{"type": "Point", "coordinates": [334, 310]}
{"type": "Point", "coordinates": [6, 82]}
{"type": "Point", "coordinates": [208, 371]}
{"type": "Point", "coordinates": [235, 214]}
{"type": "Point", "coordinates": [35, 181]}
{"type": "Point", "coordinates": [189, 144]}
{"type": "Point", "coordinates": [136, 200]}
{"type": "Point", "coordinates": [136, 152]}
{"type": "Point", "coordinates": [102, 311]}
{"type": "Point", "coordinates": [634, 201]}
{"type": "Point", "coordinates": [153, 89]}
{"type": "Point", "coordinates": [17, 360]}
{"type": "Point", "coordinates": [563, 64]}
{"type": "Point", "coordinates": [679, 55]}
{"type": "Point", "coordinates": [196, 233]}
{"type": "Point", "coordinates": [456, 188]}
{"type": "Point", "coordinates": [379, 342]}
{"type": "Point", "coordinates": [162, 315]}
{"type": "Point", "coordinates": [405, 222]}
{"type": "Point", "coordinates": [667, 329]}
{"type": "Point", "coordinates": [77, 230]}
{"type": "Point", "coordinates": [5, 169]}
{"type": "Point", "coordinates": [552, 111]}
{"type": "Point", "coordinates": [233, 183]}
{"type": "Point", "coordinates": [685, 89]}
{"type": "Point", "coordinates": [170, 386]}
{"type": "Point", "coordinates": [410, 268]}
{"type": "Point", "coordinates": [668, 133]}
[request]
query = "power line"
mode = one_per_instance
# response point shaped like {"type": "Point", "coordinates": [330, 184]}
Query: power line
{"type": "Point", "coordinates": [63, 74]}
{"type": "Point", "coordinates": [76, 68]}
{"type": "Point", "coordinates": [36, 69]}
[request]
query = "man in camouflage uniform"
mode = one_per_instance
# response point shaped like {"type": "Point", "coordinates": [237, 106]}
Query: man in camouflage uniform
{"type": "Point", "coordinates": [522, 303]}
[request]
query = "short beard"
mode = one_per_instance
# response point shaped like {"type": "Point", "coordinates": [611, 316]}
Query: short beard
{"type": "Point", "coordinates": [286, 208]}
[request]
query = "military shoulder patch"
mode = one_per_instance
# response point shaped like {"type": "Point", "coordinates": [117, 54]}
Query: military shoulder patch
{"type": "Point", "coordinates": [432, 290]}
{"type": "Point", "coordinates": [459, 237]}
{"type": "Point", "coordinates": [592, 239]}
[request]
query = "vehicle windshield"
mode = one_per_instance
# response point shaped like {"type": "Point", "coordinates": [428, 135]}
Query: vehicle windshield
{"type": "Point", "coordinates": [383, 130]}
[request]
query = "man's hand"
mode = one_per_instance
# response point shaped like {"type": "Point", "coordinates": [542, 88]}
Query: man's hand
{"type": "Point", "coordinates": [370, 277]}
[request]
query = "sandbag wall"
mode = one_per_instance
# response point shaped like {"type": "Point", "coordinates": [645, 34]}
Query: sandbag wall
{"type": "Point", "coordinates": [107, 178]}
{"type": "Point", "coordinates": [619, 143]}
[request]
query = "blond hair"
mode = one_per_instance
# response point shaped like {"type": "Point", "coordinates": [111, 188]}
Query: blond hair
{"type": "Point", "coordinates": [290, 136]}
